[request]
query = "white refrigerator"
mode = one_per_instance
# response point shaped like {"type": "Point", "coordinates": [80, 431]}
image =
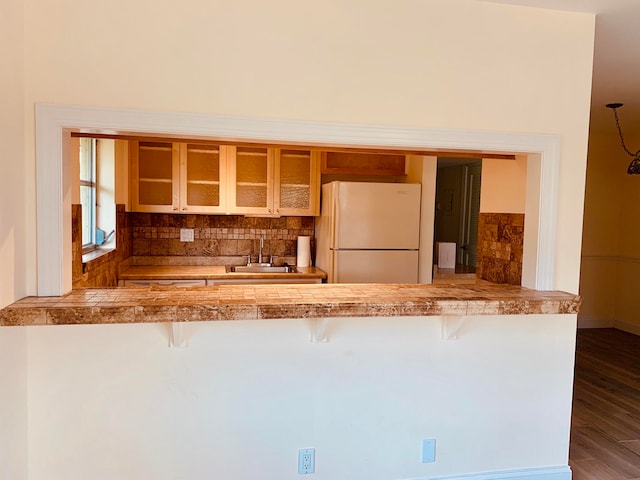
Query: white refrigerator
{"type": "Point", "coordinates": [369, 232]}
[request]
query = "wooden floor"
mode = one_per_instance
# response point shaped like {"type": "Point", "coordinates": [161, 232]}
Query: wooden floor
{"type": "Point", "coordinates": [605, 431]}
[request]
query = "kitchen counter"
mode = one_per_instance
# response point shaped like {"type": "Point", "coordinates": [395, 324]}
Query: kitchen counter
{"type": "Point", "coordinates": [253, 302]}
{"type": "Point", "coordinates": [207, 272]}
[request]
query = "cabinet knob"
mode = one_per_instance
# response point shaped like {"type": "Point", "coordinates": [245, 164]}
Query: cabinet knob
{"type": "Point", "coordinates": [175, 209]}
{"type": "Point", "coordinates": [184, 208]}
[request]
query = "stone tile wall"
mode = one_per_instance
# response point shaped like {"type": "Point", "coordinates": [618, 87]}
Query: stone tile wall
{"type": "Point", "coordinates": [101, 271]}
{"type": "Point", "coordinates": [218, 239]}
{"type": "Point", "coordinates": [500, 239]}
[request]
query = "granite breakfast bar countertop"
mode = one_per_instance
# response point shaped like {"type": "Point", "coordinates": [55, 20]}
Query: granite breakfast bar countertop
{"type": "Point", "coordinates": [254, 302]}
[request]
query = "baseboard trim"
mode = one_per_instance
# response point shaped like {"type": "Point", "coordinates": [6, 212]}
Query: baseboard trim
{"type": "Point", "coordinates": [627, 327]}
{"type": "Point", "coordinates": [542, 473]}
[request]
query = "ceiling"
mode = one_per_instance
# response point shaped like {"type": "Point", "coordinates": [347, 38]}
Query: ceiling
{"type": "Point", "coordinates": [616, 62]}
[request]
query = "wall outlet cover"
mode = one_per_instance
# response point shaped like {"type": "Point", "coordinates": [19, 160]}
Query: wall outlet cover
{"type": "Point", "coordinates": [186, 234]}
{"type": "Point", "coordinates": [428, 450]}
{"type": "Point", "coordinates": [306, 461]}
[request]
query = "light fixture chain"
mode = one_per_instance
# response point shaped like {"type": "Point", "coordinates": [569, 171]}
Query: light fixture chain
{"type": "Point", "coordinates": [615, 114]}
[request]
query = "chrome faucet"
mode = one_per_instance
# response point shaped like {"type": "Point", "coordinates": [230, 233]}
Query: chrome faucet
{"type": "Point", "coordinates": [261, 247]}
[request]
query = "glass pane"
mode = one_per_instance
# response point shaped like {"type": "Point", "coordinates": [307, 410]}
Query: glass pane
{"type": "Point", "coordinates": [251, 177]}
{"type": "Point", "coordinates": [155, 193]}
{"type": "Point", "coordinates": [155, 160]}
{"type": "Point", "coordinates": [199, 194]}
{"type": "Point", "coordinates": [250, 196]}
{"type": "Point", "coordinates": [155, 172]}
{"type": "Point", "coordinates": [295, 178]}
{"type": "Point", "coordinates": [203, 175]}
{"type": "Point", "coordinates": [86, 159]}
{"type": "Point", "coordinates": [86, 200]}
{"type": "Point", "coordinates": [294, 197]}
{"type": "Point", "coordinates": [295, 167]}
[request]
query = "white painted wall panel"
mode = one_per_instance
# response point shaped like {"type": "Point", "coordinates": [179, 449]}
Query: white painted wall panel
{"type": "Point", "coordinates": [113, 401]}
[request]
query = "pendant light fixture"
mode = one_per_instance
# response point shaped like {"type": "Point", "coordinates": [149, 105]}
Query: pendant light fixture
{"type": "Point", "coordinates": [634, 166]}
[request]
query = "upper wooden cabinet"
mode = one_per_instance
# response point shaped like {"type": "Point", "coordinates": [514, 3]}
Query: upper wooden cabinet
{"type": "Point", "coordinates": [177, 177]}
{"type": "Point", "coordinates": [181, 177]}
{"type": "Point", "coordinates": [355, 163]}
{"type": "Point", "coordinates": [274, 181]}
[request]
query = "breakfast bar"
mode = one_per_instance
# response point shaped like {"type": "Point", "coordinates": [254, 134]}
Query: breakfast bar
{"type": "Point", "coordinates": [255, 302]}
{"type": "Point", "coordinates": [384, 366]}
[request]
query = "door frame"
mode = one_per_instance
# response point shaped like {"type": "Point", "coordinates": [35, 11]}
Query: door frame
{"type": "Point", "coordinates": [465, 218]}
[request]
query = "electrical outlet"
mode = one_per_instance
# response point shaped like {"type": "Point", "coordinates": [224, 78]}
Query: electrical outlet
{"type": "Point", "coordinates": [306, 461]}
{"type": "Point", "coordinates": [428, 450]}
{"type": "Point", "coordinates": [186, 234]}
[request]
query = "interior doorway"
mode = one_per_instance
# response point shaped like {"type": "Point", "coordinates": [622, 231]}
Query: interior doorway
{"type": "Point", "coordinates": [457, 209]}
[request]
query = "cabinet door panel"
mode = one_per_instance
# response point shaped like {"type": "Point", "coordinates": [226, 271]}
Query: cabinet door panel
{"type": "Point", "coordinates": [202, 178]}
{"type": "Point", "coordinates": [155, 173]}
{"type": "Point", "coordinates": [251, 180]}
{"type": "Point", "coordinates": [349, 163]}
{"type": "Point", "coordinates": [295, 178]}
{"type": "Point", "coordinates": [298, 182]}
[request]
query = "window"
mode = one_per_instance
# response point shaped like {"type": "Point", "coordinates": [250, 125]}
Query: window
{"type": "Point", "coordinates": [88, 192]}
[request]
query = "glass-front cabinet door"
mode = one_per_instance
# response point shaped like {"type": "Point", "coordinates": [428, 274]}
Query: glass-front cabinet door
{"type": "Point", "coordinates": [155, 172]}
{"type": "Point", "coordinates": [297, 177]}
{"type": "Point", "coordinates": [202, 178]}
{"type": "Point", "coordinates": [191, 177]}
{"type": "Point", "coordinates": [251, 171]}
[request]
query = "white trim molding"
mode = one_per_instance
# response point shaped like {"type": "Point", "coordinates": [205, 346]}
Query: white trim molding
{"type": "Point", "coordinates": [53, 180]}
{"type": "Point", "coordinates": [540, 473]}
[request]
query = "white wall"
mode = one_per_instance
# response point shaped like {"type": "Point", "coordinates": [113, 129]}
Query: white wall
{"type": "Point", "coordinates": [113, 401]}
{"type": "Point", "coordinates": [603, 193]}
{"type": "Point", "coordinates": [13, 403]}
{"type": "Point", "coordinates": [13, 262]}
{"type": "Point", "coordinates": [628, 257]}
{"type": "Point", "coordinates": [423, 170]}
{"type": "Point", "coordinates": [362, 62]}
{"type": "Point", "coordinates": [13, 164]}
{"type": "Point", "coordinates": [122, 172]}
{"type": "Point", "coordinates": [504, 185]}
{"type": "Point", "coordinates": [328, 62]}
{"type": "Point", "coordinates": [610, 260]}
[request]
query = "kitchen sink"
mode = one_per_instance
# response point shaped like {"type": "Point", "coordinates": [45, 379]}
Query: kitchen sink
{"type": "Point", "coordinates": [261, 269]}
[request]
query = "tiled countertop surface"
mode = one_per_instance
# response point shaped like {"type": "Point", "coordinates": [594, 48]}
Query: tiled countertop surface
{"type": "Point", "coordinates": [251, 302]}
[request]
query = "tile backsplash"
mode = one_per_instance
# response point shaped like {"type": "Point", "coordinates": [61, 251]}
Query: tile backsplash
{"type": "Point", "coordinates": [102, 271]}
{"type": "Point", "coordinates": [218, 239]}
{"type": "Point", "coordinates": [153, 238]}
{"type": "Point", "coordinates": [500, 240]}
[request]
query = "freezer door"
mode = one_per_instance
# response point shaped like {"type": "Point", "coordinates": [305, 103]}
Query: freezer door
{"type": "Point", "coordinates": [374, 266]}
{"type": "Point", "coordinates": [377, 216]}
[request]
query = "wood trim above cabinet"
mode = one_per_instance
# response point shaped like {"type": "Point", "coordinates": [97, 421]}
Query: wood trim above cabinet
{"type": "Point", "coordinates": [353, 163]}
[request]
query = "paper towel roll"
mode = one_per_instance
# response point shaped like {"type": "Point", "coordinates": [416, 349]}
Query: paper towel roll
{"type": "Point", "coordinates": [304, 251]}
